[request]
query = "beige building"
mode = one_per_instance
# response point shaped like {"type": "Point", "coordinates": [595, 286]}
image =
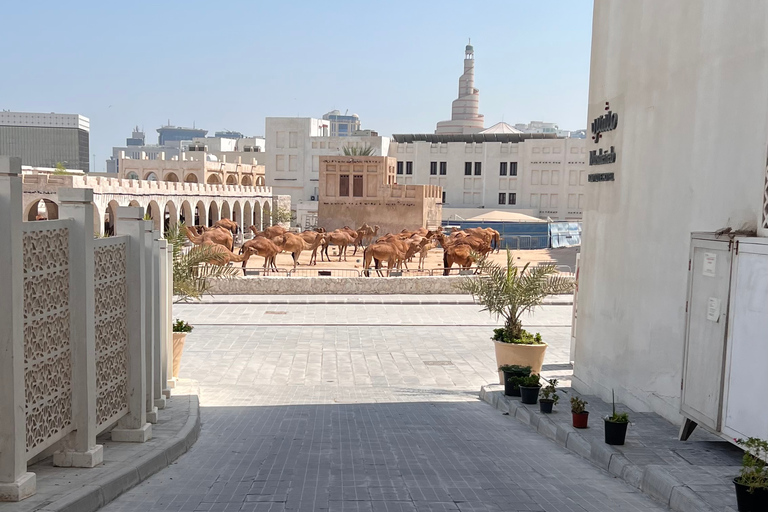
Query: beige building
{"type": "Point", "coordinates": [364, 189]}
{"type": "Point", "coordinates": [193, 167]}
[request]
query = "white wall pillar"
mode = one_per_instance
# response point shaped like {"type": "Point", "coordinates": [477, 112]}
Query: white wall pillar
{"type": "Point", "coordinates": [169, 321]}
{"type": "Point", "coordinates": [158, 384]}
{"type": "Point", "coordinates": [133, 427]}
{"type": "Point", "coordinates": [15, 482]}
{"type": "Point", "coordinates": [80, 449]}
{"type": "Point", "coordinates": [149, 312]}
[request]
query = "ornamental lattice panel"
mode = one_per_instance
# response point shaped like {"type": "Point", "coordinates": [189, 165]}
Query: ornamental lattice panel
{"type": "Point", "coordinates": [47, 347]}
{"type": "Point", "coordinates": [110, 295]}
{"type": "Point", "coordinates": [765, 201]}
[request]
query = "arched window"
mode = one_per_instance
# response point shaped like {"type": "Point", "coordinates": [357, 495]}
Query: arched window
{"type": "Point", "coordinates": [151, 177]}
{"type": "Point", "coordinates": [132, 176]}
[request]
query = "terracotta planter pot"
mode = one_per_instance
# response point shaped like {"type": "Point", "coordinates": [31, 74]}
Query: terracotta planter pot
{"type": "Point", "coordinates": [521, 355]}
{"type": "Point", "coordinates": [580, 420]}
{"type": "Point", "coordinates": [178, 347]}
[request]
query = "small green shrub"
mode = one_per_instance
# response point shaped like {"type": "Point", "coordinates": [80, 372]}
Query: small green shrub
{"type": "Point", "coordinates": [578, 405]}
{"type": "Point", "coordinates": [532, 381]}
{"type": "Point", "coordinates": [550, 392]}
{"type": "Point", "coordinates": [501, 334]}
{"type": "Point", "coordinates": [754, 470]}
{"type": "Point", "coordinates": [620, 417]}
{"type": "Point", "coordinates": [516, 369]}
{"type": "Point", "coordinates": [181, 326]}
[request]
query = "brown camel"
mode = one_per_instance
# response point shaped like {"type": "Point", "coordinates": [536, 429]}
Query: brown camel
{"type": "Point", "coordinates": [490, 235]}
{"type": "Point", "coordinates": [365, 233]}
{"type": "Point", "coordinates": [381, 252]}
{"type": "Point", "coordinates": [260, 246]}
{"type": "Point", "coordinates": [270, 232]}
{"type": "Point", "coordinates": [216, 235]}
{"type": "Point", "coordinates": [292, 243]}
{"type": "Point", "coordinates": [462, 253]}
{"type": "Point", "coordinates": [223, 256]}
{"type": "Point", "coordinates": [424, 248]}
{"type": "Point", "coordinates": [227, 224]}
{"type": "Point", "coordinates": [340, 238]}
{"type": "Point", "coordinates": [319, 242]}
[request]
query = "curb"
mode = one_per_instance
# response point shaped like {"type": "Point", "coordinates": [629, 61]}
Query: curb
{"type": "Point", "coordinates": [652, 480]}
{"type": "Point", "coordinates": [362, 299]}
{"type": "Point", "coordinates": [95, 495]}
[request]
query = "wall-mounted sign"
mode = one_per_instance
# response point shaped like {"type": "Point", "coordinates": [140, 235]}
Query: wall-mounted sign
{"type": "Point", "coordinates": [604, 123]}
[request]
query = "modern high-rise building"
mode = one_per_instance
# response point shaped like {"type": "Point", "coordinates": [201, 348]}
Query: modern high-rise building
{"type": "Point", "coordinates": [464, 111]}
{"type": "Point", "coordinates": [169, 133]}
{"type": "Point", "coordinates": [45, 140]}
{"type": "Point", "coordinates": [342, 125]}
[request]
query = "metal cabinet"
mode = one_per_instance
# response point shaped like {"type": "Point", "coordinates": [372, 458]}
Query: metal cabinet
{"type": "Point", "coordinates": [726, 340]}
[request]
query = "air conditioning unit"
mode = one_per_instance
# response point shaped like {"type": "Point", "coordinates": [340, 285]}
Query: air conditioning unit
{"type": "Point", "coordinates": [312, 198]}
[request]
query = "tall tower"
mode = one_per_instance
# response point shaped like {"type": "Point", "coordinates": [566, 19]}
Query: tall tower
{"type": "Point", "coordinates": [464, 110]}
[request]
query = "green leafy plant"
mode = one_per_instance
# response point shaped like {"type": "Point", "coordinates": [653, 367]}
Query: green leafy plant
{"type": "Point", "coordinates": [615, 417]}
{"type": "Point", "coordinates": [526, 338]}
{"type": "Point", "coordinates": [508, 291]}
{"type": "Point", "coordinates": [282, 215]}
{"type": "Point", "coordinates": [61, 170]}
{"type": "Point", "coordinates": [181, 326]}
{"type": "Point", "coordinates": [549, 392]}
{"type": "Point", "coordinates": [754, 469]}
{"type": "Point", "coordinates": [366, 151]}
{"type": "Point", "coordinates": [578, 406]}
{"type": "Point", "coordinates": [531, 381]}
{"type": "Point", "coordinates": [192, 271]}
{"type": "Point", "coordinates": [515, 369]}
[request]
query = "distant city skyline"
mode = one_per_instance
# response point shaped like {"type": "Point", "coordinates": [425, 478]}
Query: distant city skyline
{"type": "Point", "coordinates": [398, 71]}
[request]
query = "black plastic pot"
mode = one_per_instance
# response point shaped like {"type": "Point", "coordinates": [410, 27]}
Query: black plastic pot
{"type": "Point", "coordinates": [750, 501]}
{"type": "Point", "coordinates": [545, 405]}
{"type": "Point", "coordinates": [510, 388]}
{"type": "Point", "coordinates": [529, 395]}
{"type": "Point", "coordinates": [615, 433]}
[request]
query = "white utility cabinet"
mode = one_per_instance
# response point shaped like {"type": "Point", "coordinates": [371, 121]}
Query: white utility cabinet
{"type": "Point", "coordinates": [725, 360]}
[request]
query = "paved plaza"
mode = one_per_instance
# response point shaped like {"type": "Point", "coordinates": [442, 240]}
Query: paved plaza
{"type": "Point", "coordinates": [370, 407]}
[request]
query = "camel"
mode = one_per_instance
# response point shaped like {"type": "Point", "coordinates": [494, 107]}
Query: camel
{"type": "Point", "coordinates": [262, 247]}
{"type": "Point", "coordinates": [270, 232]}
{"type": "Point", "coordinates": [227, 224]}
{"type": "Point", "coordinates": [424, 248]}
{"type": "Point", "coordinates": [380, 252]}
{"type": "Point", "coordinates": [365, 232]}
{"type": "Point", "coordinates": [490, 235]}
{"type": "Point", "coordinates": [476, 244]}
{"type": "Point", "coordinates": [223, 256]}
{"type": "Point", "coordinates": [291, 243]}
{"type": "Point", "coordinates": [319, 242]}
{"type": "Point", "coordinates": [462, 252]}
{"type": "Point", "coordinates": [340, 238]}
{"type": "Point", "coordinates": [216, 235]}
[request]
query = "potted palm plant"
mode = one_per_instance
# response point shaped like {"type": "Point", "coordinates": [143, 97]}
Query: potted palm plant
{"type": "Point", "coordinates": [616, 425]}
{"type": "Point", "coordinates": [513, 374]}
{"type": "Point", "coordinates": [507, 291]}
{"type": "Point", "coordinates": [180, 331]}
{"type": "Point", "coordinates": [579, 412]}
{"type": "Point", "coordinates": [549, 397]}
{"type": "Point", "coordinates": [752, 482]}
{"type": "Point", "coordinates": [529, 389]}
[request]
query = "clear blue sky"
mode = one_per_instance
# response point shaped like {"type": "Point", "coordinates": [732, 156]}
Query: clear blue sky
{"type": "Point", "coordinates": [228, 65]}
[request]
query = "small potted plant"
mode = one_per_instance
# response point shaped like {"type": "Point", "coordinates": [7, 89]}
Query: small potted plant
{"type": "Point", "coordinates": [513, 373]}
{"type": "Point", "coordinates": [180, 330]}
{"type": "Point", "coordinates": [616, 425]}
{"type": "Point", "coordinates": [529, 389]}
{"type": "Point", "coordinates": [579, 413]}
{"type": "Point", "coordinates": [752, 482]}
{"type": "Point", "coordinates": [549, 397]}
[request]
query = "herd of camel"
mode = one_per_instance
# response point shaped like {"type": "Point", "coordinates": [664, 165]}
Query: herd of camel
{"type": "Point", "coordinates": [460, 247]}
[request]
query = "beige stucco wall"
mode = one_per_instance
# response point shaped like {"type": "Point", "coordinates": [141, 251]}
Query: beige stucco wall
{"type": "Point", "coordinates": [688, 80]}
{"type": "Point", "coordinates": [335, 285]}
{"type": "Point", "coordinates": [193, 167]}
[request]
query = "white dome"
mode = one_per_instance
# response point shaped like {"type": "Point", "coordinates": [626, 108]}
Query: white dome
{"type": "Point", "coordinates": [211, 158]}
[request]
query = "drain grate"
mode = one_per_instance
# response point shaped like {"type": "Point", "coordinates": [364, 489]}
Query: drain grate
{"type": "Point", "coordinates": [438, 363]}
{"type": "Point", "coordinates": [275, 312]}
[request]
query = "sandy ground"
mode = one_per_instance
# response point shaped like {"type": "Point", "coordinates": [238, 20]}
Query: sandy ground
{"type": "Point", "coordinates": [434, 260]}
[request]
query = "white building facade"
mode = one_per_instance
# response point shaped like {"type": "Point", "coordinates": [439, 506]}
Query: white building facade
{"type": "Point", "coordinates": [540, 174]}
{"type": "Point", "coordinates": [687, 83]}
{"type": "Point", "coordinates": [294, 146]}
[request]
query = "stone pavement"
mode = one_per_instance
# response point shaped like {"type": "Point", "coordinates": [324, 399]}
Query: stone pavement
{"type": "Point", "coordinates": [364, 407]}
{"type": "Point", "coordinates": [125, 464]}
{"type": "Point", "coordinates": [555, 300]}
{"type": "Point", "coordinates": [695, 475]}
